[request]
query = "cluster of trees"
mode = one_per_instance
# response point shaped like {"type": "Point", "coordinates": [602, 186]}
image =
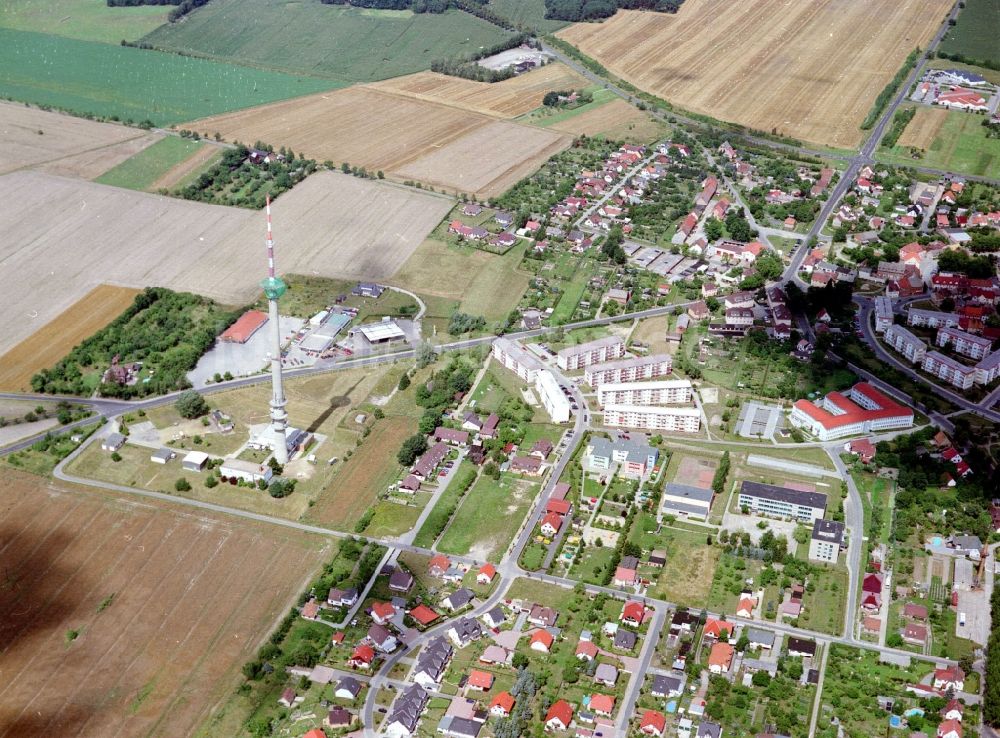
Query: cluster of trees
{"type": "Point", "coordinates": [183, 7]}
{"type": "Point", "coordinates": [167, 331]}
{"type": "Point", "coordinates": [719, 480]}
{"type": "Point", "coordinates": [191, 405]}
{"type": "Point", "coordinates": [963, 59]}
{"type": "Point", "coordinates": [612, 246]}
{"type": "Point", "coordinates": [417, 6]}
{"type": "Point", "coordinates": [517, 723]}
{"type": "Point", "coordinates": [991, 692]}
{"type": "Point", "coordinates": [583, 10]}
{"type": "Point", "coordinates": [767, 267]}
{"type": "Point", "coordinates": [462, 323]}
{"type": "Point", "coordinates": [900, 120]}
{"type": "Point", "coordinates": [466, 66]}
{"type": "Point", "coordinates": [976, 267]}
{"type": "Point", "coordinates": [984, 239]}
{"type": "Point", "coordinates": [435, 395]}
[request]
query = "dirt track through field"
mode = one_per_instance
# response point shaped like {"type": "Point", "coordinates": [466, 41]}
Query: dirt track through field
{"type": "Point", "coordinates": [192, 597]}
{"type": "Point", "coordinates": [810, 70]}
{"type": "Point", "coordinates": [66, 236]}
{"type": "Point", "coordinates": [54, 339]}
{"type": "Point", "coordinates": [923, 129]}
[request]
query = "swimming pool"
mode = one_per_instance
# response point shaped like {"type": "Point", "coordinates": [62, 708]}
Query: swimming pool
{"type": "Point", "coordinates": [895, 721]}
{"type": "Point", "coordinates": [672, 706]}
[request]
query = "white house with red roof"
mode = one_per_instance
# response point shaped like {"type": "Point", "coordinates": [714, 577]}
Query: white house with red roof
{"type": "Point", "coordinates": [959, 98]}
{"type": "Point", "coordinates": [864, 409]}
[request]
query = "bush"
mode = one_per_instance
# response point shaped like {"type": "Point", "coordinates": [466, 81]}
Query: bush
{"type": "Point", "coordinates": [191, 405]}
{"type": "Point", "coordinates": [211, 482]}
{"type": "Point", "coordinates": [182, 485]}
{"type": "Point", "coordinates": [116, 457]}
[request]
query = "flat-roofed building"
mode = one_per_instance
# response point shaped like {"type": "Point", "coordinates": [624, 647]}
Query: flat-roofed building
{"type": "Point", "coordinates": [662, 392]}
{"type": "Point", "coordinates": [687, 501]}
{"type": "Point", "coordinates": [931, 318]}
{"type": "Point", "coordinates": [512, 355]}
{"type": "Point", "coordinates": [683, 419]}
{"type": "Point", "coordinates": [826, 540]}
{"type": "Point", "coordinates": [966, 344]}
{"type": "Point", "coordinates": [739, 317]}
{"type": "Point", "coordinates": [988, 369]}
{"type": "Point", "coordinates": [864, 409]}
{"type": "Point", "coordinates": [948, 369]}
{"type": "Point", "coordinates": [634, 457]}
{"type": "Point", "coordinates": [629, 370]}
{"type": "Point", "coordinates": [248, 471]}
{"type": "Point", "coordinates": [883, 313]}
{"type": "Point", "coordinates": [905, 342]}
{"type": "Point", "coordinates": [592, 352]}
{"type": "Point", "coordinates": [782, 502]}
{"type": "Point", "coordinates": [553, 399]}
{"type": "Point", "coordinates": [384, 331]}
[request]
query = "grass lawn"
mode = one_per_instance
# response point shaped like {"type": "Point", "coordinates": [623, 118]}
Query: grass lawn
{"type": "Point", "coordinates": [392, 519]}
{"type": "Point", "coordinates": [529, 589]}
{"type": "Point", "coordinates": [823, 608]}
{"type": "Point", "coordinates": [88, 20]}
{"type": "Point", "coordinates": [141, 170]}
{"type": "Point", "coordinates": [43, 456]}
{"type": "Point", "coordinates": [975, 33]}
{"type": "Point", "coordinates": [545, 117]}
{"type": "Point", "coordinates": [307, 295]}
{"type": "Point", "coordinates": [687, 576]}
{"type": "Point", "coordinates": [961, 146]}
{"type": "Point", "coordinates": [334, 41]}
{"type": "Point", "coordinates": [488, 517]}
{"type": "Point", "coordinates": [497, 287]}
{"type": "Point", "coordinates": [444, 507]}
{"type": "Point", "coordinates": [134, 84]}
{"type": "Point", "coordinates": [572, 294]}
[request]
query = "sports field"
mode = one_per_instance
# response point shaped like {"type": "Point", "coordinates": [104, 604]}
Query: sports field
{"type": "Point", "coordinates": [507, 99]}
{"type": "Point", "coordinates": [975, 34]}
{"type": "Point", "coordinates": [957, 142]}
{"type": "Point", "coordinates": [89, 20]}
{"type": "Point", "coordinates": [53, 340]}
{"type": "Point", "coordinates": [332, 225]}
{"type": "Point", "coordinates": [126, 618]}
{"type": "Point", "coordinates": [334, 41]}
{"type": "Point", "coordinates": [142, 170]}
{"type": "Point", "coordinates": [807, 70]}
{"type": "Point", "coordinates": [134, 84]}
{"type": "Point", "coordinates": [405, 137]}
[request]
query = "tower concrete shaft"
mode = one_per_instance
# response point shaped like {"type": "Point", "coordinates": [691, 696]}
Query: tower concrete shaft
{"type": "Point", "coordinates": [274, 288]}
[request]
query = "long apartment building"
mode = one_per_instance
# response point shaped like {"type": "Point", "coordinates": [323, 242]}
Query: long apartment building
{"type": "Point", "coordinates": [864, 409]}
{"type": "Point", "coordinates": [950, 370]}
{"type": "Point", "coordinates": [910, 346]}
{"type": "Point", "coordinates": [553, 399]}
{"type": "Point", "coordinates": [512, 355]}
{"type": "Point", "coordinates": [663, 392]}
{"type": "Point", "coordinates": [966, 344]}
{"type": "Point", "coordinates": [592, 352]}
{"type": "Point", "coordinates": [931, 318]}
{"type": "Point", "coordinates": [883, 313]}
{"type": "Point", "coordinates": [648, 417]}
{"type": "Point", "coordinates": [782, 502]}
{"type": "Point", "coordinates": [629, 370]}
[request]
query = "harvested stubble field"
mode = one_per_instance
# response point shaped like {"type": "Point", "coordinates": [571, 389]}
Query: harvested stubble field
{"type": "Point", "coordinates": [923, 129]}
{"type": "Point", "coordinates": [62, 144]}
{"type": "Point", "coordinates": [507, 99]}
{"type": "Point", "coordinates": [402, 136]}
{"type": "Point", "coordinates": [166, 607]}
{"type": "Point", "coordinates": [54, 340]}
{"type": "Point", "coordinates": [616, 120]}
{"type": "Point", "coordinates": [73, 235]}
{"type": "Point", "coordinates": [807, 70]}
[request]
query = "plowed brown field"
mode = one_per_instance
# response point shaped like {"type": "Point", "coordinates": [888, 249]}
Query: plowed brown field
{"type": "Point", "coordinates": [403, 136]}
{"type": "Point", "coordinates": [923, 129]}
{"type": "Point", "coordinates": [193, 597]}
{"type": "Point", "coordinates": [53, 340]}
{"type": "Point", "coordinates": [810, 70]}
{"type": "Point", "coordinates": [507, 99]}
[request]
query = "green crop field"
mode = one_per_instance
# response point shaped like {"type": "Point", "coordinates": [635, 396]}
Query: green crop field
{"type": "Point", "coordinates": [134, 84]}
{"type": "Point", "coordinates": [339, 42]}
{"type": "Point", "coordinates": [530, 13]}
{"type": "Point", "coordinates": [960, 146]}
{"type": "Point", "coordinates": [141, 170]}
{"type": "Point", "coordinates": [88, 20]}
{"type": "Point", "coordinates": [975, 34]}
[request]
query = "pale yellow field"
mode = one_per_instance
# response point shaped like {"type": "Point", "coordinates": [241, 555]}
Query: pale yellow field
{"type": "Point", "coordinates": [616, 119]}
{"type": "Point", "coordinates": [62, 144]}
{"type": "Point", "coordinates": [65, 236]}
{"type": "Point", "coordinates": [810, 70]}
{"type": "Point", "coordinates": [507, 99]}
{"type": "Point", "coordinates": [923, 129]}
{"type": "Point", "coordinates": [403, 136]}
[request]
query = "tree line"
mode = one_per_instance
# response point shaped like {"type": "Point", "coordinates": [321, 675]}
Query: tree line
{"type": "Point", "coordinates": [583, 10]}
{"type": "Point", "coordinates": [183, 7]}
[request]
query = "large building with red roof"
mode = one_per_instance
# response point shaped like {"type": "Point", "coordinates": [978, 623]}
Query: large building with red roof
{"type": "Point", "coordinates": [247, 324]}
{"type": "Point", "coordinates": [863, 409]}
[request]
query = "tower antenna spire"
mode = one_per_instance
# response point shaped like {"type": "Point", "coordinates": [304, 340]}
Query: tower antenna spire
{"type": "Point", "coordinates": [270, 240]}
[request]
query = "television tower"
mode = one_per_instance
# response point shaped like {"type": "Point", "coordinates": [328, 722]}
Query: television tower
{"type": "Point", "coordinates": [274, 288]}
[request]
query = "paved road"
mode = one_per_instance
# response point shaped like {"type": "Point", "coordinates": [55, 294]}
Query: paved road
{"type": "Point", "coordinates": [854, 520]}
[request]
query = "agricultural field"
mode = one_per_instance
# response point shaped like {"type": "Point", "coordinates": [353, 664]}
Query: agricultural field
{"type": "Point", "coordinates": [87, 20]}
{"type": "Point", "coordinates": [616, 120]}
{"type": "Point", "coordinates": [64, 145]}
{"type": "Point", "coordinates": [407, 138]}
{"type": "Point", "coordinates": [810, 71]}
{"type": "Point", "coordinates": [974, 36]}
{"type": "Point", "coordinates": [488, 517]}
{"type": "Point", "coordinates": [92, 78]}
{"type": "Point", "coordinates": [209, 591]}
{"type": "Point", "coordinates": [947, 139]}
{"type": "Point", "coordinates": [338, 42]}
{"type": "Point", "coordinates": [527, 12]}
{"type": "Point", "coordinates": [149, 165]}
{"type": "Point", "coordinates": [507, 99]}
{"type": "Point", "coordinates": [331, 224]}
{"type": "Point", "coordinates": [53, 340]}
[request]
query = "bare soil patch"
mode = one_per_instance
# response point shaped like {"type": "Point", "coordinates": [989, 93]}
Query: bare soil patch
{"type": "Point", "coordinates": [924, 128]}
{"type": "Point", "coordinates": [63, 144]}
{"type": "Point", "coordinates": [165, 608]}
{"type": "Point", "coordinates": [807, 70]}
{"type": "Point", "coordinates": [54, 339]}
{"type": "Point", "coordinates": [71, 235]}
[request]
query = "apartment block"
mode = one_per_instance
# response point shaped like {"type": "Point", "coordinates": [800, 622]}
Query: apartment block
{"type": "Point", "coordinates": [556, 403]}
{"type": "Point", "coordinates": [682, 419]}
{"type": "Point", "coordinates": [512, 355]}
{"type": "Point", "coordinates": [663, 392]}
{"type": "Point", "coordinates": [931, 318]}
{"type": "Point", "coordinates": [883, 313]}
{"type": "Point", "coordinates": [966, 344]}
{"type": "Point", "coordinates": [629, 370]}
{"type": "Point", "coordinates": [947, 369]}
{"type": "Point", "coordinates": [592, 352]}
{"type": "Point", "coordinates": [910, 346]}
